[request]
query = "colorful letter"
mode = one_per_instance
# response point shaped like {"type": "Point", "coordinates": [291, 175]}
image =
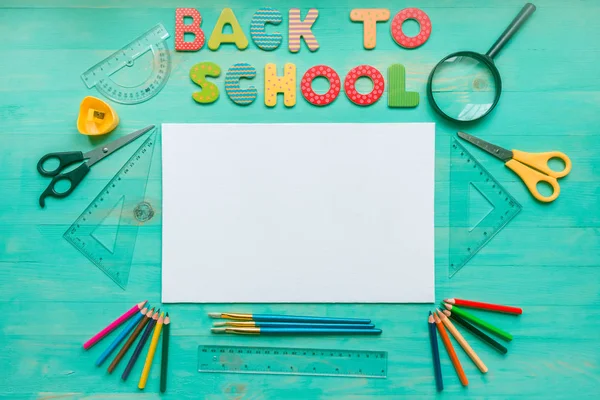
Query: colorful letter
{"type": "Point", "coordinates": [237, 36]}
{"type": "Point", "coordinates": [259, 35]}
{"type": "Point", "coordinates": [398, 97]}
{"type": "Point", "coordinates": [370, 17]}
{"type": "Point", "coordinates": [209, 92]}
{"type": "Point", "coordinates": [424, 25]}
{"type": "Point", "coordinates": [285, 84]}
{"type": "Point", "coordinates": [334, 85]}
{"type": "Point", "coordinates": [181, 29]}
{"type": "Point", "coordinates": [232, 84]}
{"type": "Point", "coordinates": [359, 98]}
{"type": "Point", "coordinates": [298, 29]}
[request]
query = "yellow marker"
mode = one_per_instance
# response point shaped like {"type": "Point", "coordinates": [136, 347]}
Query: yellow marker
{"type": "Point", "coordinates": [96, 117]}
{"type": "Point", "coordinates": [151, 351]}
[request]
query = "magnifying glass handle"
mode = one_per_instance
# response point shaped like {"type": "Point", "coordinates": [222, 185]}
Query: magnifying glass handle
{"type": "Point", "coordinates": [514, 26]}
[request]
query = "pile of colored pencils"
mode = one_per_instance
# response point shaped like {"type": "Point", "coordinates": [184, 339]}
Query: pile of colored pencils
{"type": "Point", "coordinates": [270, 324]}
{"type": "Point", "coordinates": [453, 311]}
{"type": "Point", "coordinates": [144, 319]}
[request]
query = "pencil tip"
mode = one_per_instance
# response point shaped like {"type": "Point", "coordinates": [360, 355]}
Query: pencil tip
{"type": "Point", "coordinates": [167, 313]}
{"type": "Point", "coordinates": [217, 330]}
{"type": "Point", "coordinates": [220, 324]}
{"type": "Point", "coordinates": [429, 312]}
{"type": "Point", "coordinates": [214, 314]}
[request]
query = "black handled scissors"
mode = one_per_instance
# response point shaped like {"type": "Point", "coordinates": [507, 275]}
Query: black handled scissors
{"type": "Point", "coordinates": [75, 176]}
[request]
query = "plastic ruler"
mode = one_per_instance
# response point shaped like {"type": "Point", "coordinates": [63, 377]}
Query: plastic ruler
{"type": "Point", "coordinates": [479, 207]}
{"type": "Point", "coordinates": [129, 88]}
{"type": "Point", "coordinates": [107, 229]}
{"type": "Point", "coordinates": [292, 361]}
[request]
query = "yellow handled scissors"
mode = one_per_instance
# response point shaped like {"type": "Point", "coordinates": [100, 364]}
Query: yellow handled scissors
{"type": "Point", "coordinates": [532, 168]}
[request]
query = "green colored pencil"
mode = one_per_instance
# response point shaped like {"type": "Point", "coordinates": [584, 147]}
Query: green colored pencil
{"type": "Point", "coordinates": [477, 321]}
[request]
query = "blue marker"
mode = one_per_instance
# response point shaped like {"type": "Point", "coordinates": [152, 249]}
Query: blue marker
{"type": "Point", "coordinates": [121, 336]}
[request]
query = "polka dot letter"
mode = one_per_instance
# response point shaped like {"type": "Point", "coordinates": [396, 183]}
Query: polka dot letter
{"type": "Point", "coordinates": [285, 84]}
{"type": "Point", "coordinates": [209, 92]}
{"type": "Point", "coordinates": [181, 29]}
{"type": "Point", "coordinates": [334, 85]}
{"type": "Point", "coordinates": [359, 98]}
{"type": "Point", "coordinates": [369, 18]}
{"type": "Point", "coordinates": [424, 23]}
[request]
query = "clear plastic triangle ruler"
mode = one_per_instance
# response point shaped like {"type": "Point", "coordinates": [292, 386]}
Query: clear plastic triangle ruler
{"type": "Point", "coordinates": [479, 207]}
{"type": "Point", "coordinates": [107, 230]}
{"type": "Point", "coordinates": [135, 73]}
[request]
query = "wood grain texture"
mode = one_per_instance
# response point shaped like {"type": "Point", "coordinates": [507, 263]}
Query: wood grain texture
{"type": "Point", "coordinates": [546, 260]}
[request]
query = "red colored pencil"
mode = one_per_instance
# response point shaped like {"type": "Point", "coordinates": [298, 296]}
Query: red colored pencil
{"type": "Point", "coordinates": [485, 306]}
{"type": "Point", "coordinates": [450, 349]}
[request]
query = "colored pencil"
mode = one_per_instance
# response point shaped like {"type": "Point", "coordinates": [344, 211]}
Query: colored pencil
{"type": "Point", "coordinates": [122, 335]}
{"type": "Point", "coordinates": [462, 342]}
{"type": "Point", "coordinates": [485, 306]}
{"type": "Point", "coordinates": [151, 351]}
{"type": "Point", "coordinates": [113, 325]}
{"type": "Point", "coordinates": [481, 335]}
{"type": "Point", "coordinates": [130, 341]}
{"type": "Point", "coordinates": [258, 324]}
{"type": "Point", "coordinates": [164, 360]}
{"type": "Point", "coordinates": [437, 367]}
{"type": "Point", "coordinates": [288, 318]}
{"type": "Point", "coordinates": [140, 346]}
{"type": "Point", "coordinates": [479, 322]}
{"type": "Point", "coordinates": [450, 349]}
{"type": "Point", "coordinates": [295, 331]}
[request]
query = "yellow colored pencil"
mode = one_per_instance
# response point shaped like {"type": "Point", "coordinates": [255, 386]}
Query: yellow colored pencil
{"type": "Point", "coordinates": [463, 342]}
{"type": "Point", "coordinates": [151, 351]}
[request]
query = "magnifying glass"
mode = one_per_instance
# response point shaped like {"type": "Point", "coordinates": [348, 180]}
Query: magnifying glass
{"type": "Point", "coordinates": [466, 86]}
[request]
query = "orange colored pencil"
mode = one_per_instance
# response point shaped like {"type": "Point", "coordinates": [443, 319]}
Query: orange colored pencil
{"type": "Point", "coordinates": [463, 342]}
{"type": "Point", "coordinates": [450, 349]}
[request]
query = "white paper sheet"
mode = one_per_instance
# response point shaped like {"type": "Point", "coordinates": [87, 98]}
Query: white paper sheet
{"type": "Point", "coordinates": [298, 213]}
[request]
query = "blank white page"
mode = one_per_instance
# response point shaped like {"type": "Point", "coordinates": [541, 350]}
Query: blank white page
{"type": "Point", "coordinates": [298, 213]}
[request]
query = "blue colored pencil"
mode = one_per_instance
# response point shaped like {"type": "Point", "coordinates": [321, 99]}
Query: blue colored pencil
{"type": "Point", "coordinates": [288, 318]}
{"type": "Point", "coordinates": [122, 335]}
{"type": "Point", "coordinates": [140, 345]}
{"type": "Point", "coordinates": [259, 324]}
{"type": "Point", "coordinates": [295, 331]}
{"type": "Point", "coordinates": [437, 367]}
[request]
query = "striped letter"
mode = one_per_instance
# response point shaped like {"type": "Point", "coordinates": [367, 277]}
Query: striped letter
{"type": "Point", "coordinates": [232, 84]}
{"type": "Point", "coordinates": [285, 85]}
{"type": "Point", "coordinates": [181, 29]}
{"type": "Point", "coordinates": [237, 36]}
{"type": "Point", "coordinates": [298, 29]}
{"type": "Point", "coordinates": [260, 37]}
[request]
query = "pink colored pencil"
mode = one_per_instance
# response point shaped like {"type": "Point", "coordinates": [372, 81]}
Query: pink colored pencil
{"type": "Point", "coordinates": [114, 325]}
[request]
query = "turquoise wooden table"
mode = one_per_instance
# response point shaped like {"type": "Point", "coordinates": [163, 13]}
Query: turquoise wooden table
{"type": "Point", "coordinates": [546, 260]}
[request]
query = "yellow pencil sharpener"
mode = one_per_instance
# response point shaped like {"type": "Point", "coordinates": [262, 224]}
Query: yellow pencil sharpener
{"type": "Point", "coordinates": [96, 117]}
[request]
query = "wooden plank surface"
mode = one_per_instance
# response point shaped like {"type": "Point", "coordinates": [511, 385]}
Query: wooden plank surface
{"type": "Point", "coordinates": [546, 260]}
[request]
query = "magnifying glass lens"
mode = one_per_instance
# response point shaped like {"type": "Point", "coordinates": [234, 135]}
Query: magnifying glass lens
{"type": "Point", "coordinates": [464, 87]}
